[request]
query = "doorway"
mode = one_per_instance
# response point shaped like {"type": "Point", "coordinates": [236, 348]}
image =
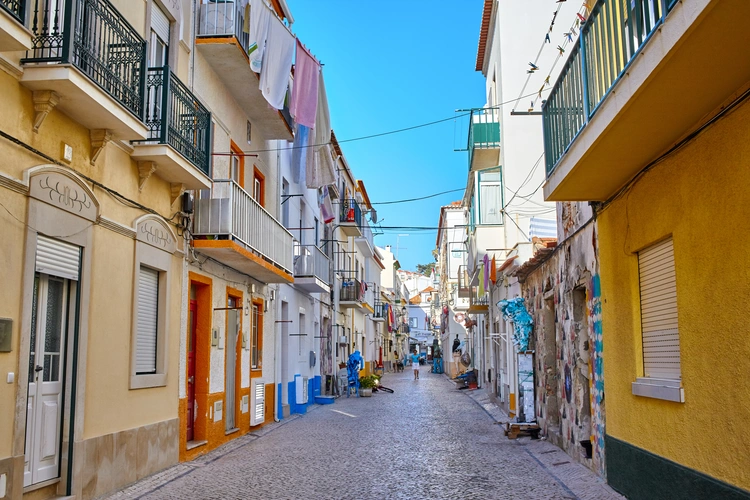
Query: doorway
{"type": "Point", "coordinates": [50, 311]}
{"type": "Point", "coordinates": [230, 394]}
{"type": "Point", "coordinates": [284, 353]}
{"type": "Point", "coordinates": [191, 348]}
{"type": "Point", "coordinates": [549, 330]}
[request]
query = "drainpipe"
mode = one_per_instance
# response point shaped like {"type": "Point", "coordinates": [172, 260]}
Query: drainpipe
{"type": "Point", "coordinates": [277, 308]}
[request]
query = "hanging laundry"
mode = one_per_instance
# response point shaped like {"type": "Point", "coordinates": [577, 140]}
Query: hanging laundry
{"type": "Point", "coordinates": [304, 103]}
{"type": "Point", "coordinates": [277, 63]}
{"type": "Point", "coordinates": [302, 153]}
{"type": "Point", "coordinates": [322, 171]}
{"type": "Point", "coordinates": [257, 20]}
{"type": "Point", "coordinates": [486, 277]}
{"type": "Point", "coordinates": [326, 207]}
{"type": "Point", "coordinates": [481, 287]}
{"type": "Point", "coordinates": [493, 271]}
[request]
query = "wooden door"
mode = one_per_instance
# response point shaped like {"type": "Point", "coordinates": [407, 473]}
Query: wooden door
{"type": "Point", "coordinates": [192, 321]}
{"type": "Point", "coordinates": [46, 360]}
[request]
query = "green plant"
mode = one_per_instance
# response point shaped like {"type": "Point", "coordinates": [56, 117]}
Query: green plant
{"type": "Point", "coordinates": [367, 382]}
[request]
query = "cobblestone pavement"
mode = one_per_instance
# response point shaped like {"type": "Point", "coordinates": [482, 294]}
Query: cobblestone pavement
{"type": "Point", "coordinates": [428, 439]}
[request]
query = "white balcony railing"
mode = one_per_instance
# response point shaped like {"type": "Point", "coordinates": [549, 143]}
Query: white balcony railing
{"type": "Point", "coordinates": [309, 261]}
{"type": "Point", "coordinates": [228, 210]}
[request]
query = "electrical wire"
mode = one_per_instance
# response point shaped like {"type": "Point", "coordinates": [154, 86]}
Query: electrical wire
{"type": "Point", "coordinates": [390, 132]}
{"type": "Point", "coordinates": [416, 199]}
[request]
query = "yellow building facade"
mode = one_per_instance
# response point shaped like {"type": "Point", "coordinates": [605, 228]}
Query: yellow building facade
{"type": "Point", "coordinates": [656, 136]}
{"type": "Point", "coordinates": [90, 187]}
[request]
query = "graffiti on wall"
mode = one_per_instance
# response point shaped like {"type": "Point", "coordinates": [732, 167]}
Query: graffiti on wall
{"type": "Point", "coordinates": [514, 310]}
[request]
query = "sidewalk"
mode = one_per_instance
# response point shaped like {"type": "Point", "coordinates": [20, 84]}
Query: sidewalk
{"type": "Point", "coordinates": [579, 481]}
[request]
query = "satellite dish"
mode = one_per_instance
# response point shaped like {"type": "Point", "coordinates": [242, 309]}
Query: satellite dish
{"type": "Point", "coordinates": [374, 216]}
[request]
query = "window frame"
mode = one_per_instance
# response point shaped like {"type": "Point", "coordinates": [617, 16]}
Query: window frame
{"type": "Point", "coordinates": [489, 183]}
{"type": "Point", "coordinates": [160, 261]}
{"type": "Point", "coordinates": [256, 335]}
{"type": "Point", "coordinates": [260, 180]}
{"type": "Point", "coordinates": [237, 153]}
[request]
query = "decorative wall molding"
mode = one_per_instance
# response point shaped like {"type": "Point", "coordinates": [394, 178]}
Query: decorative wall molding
{"type": "Point", "coordinates": [63, 189]}
{"type": "Point", "coordinates": [155, 231]}
{"type": "Point", "coordinates": [176, 191]}
{"type": "Point", "coordinates": [116, 227]}
{"type": "Point", "coordinates": [13, 184]}
{"type": "Point", "coordinates": [99, 139]}
{"type": "Point", "coordinates": [44, 102]}
{"type": "Point", "coordinates": [145, 169]}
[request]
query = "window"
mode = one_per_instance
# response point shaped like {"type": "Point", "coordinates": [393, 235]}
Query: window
{"type": "Point", "coordinates": [285, 202]}
{"type": "Point", "coordinates": [237, 165]}
{"type": "Point", "coordinates": [490, 197]}
{"type": "Point", "coordinates": [256, 348]}
{"type": "Point", "coordinates": [413, 323]}
{"type": "Point", "coordinates": [317, 237]}
{"type": "Point", "coordinates": [148, 320]}
{"type": "Point", "coordinates": [659, 329]}
{"type": "Point", "coordinates": [258, 187]}
{"type": "Point", "coordinates": [249, 134]}
{"type": "Point", "coordinates": [160, 31]}
{"type": "Point", "coordinates": [151, 292]}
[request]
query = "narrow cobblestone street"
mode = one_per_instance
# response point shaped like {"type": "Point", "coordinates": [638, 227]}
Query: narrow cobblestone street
{"type": "Point", "coordinates": [428, 439]}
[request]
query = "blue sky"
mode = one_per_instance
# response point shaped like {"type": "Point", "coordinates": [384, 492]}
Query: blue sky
{"type": "Point", "coordinates": [390, 65]}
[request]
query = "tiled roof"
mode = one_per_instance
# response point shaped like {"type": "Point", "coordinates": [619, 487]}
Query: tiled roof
{"type": "Point", "coordinates": [484, 33]}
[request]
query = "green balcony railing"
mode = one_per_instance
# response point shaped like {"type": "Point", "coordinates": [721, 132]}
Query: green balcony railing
{"type": "Point", "coordinates": [94, 37]}
{"type": "Point", "coordinates": [14, 8]}
{"type": "Point", "coordinates": [611, 37]}
{"type": "Point", "coordinates": [484, 130]}
{"type": "Point", "coordinates": [174, 116]}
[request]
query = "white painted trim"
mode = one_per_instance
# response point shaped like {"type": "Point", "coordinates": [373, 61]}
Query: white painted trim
{"type": "Point", "coordinates": [658, 388]}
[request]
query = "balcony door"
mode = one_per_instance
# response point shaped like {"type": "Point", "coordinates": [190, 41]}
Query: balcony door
{"type": "Point", "coordinates": [232, 340]}
{"type": "Point", "coordinates": [158, 56]}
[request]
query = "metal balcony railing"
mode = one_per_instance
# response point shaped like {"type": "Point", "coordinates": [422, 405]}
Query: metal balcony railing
{"type": "Point", "coordinates": [351, 291]}
{"type": "Point", "coordinates": [223, 19]}
{"type": "Point", "coordinates": [367, 233]}
{"type": "Point", "coordinates": [309, 261]}
{"type": "Point", "coordinates": [475, 299]}
{"type": "Point", "coordinates": [227, 210]}
{"type": "Point", "coordinates": [350, 212]}
{"type": "Point", "coordinates": [463, 281]}
{"type": "Point", "coordinates": [484, 130]}
{"type": "Point", "coordinates": [177, 118]}
{"type": "Point", "coordinates": [381, 310]}
{"type": "Point", "coordinates": [15, 8]}
{"type": "Point", "coordinates": [94, 37]}
{"type": "Point", "coordinates": [611, 37]}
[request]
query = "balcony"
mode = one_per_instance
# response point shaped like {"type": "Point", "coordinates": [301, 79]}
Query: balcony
{"type": "Point", "coordinates": [13, 35]}
{"type": "Point", "coordinates": [221, 40]}
{"type": "Point", "coordinates": [642, 77]}
{"type": "Point", "coordinates": [88, 54]}
{"type": "Point", "coordinates": [231, 227]}
{"type": "Point", "coordinates": [380, 312]}
{"type": "Point", "coordinates": [311, 269]}
{"type": "Point", "coordinates": [478, 304]}
{"type": "Point", "coordinates": [352, 294]}
{"type": "Point", "coordinates": [365, 243]}
{"type": "Point", "coordinates": [350, 219]}
{"type": "Point", "coordinates": [484, 138]}
{"type": "Point", "coordinates": [179, 139]}
{"type": "Point", "coordinates": [464, 278]}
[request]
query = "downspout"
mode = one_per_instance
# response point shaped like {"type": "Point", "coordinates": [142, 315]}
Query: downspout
{"type": "Point", "coordinates": [277, 308]}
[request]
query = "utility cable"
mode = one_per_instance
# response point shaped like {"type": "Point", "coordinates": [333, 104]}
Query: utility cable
{"type": "Point", "coordinates": [415, 199]}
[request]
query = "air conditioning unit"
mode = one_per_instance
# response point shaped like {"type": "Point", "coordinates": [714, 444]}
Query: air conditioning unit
{"type": "Point", "coordinates": [258, 410]}
{"type": "Point", "coordinates": [300, 383]}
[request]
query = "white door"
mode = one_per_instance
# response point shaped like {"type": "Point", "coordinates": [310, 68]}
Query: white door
{"type": "Point", "coordinates": [46, 359]}
{"type": "Point", "coordinates": [233, 326]}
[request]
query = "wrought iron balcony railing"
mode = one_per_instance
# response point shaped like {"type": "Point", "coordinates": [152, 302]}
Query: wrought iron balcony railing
{"type": "Point", "coordinates": [310, 261]}
{"type": "Point", "coordinates": [94, 37]}
{"type": "Point", "coordinates": [15, 8]}
{"type": "Point", "coordinates": [352, 291]}
{"type": "Point", "coordinates": [611, 37]}
{"type": "Point", "coordinates": [223, 19]}
{"type": "Point", "coordinates": [174, 116]}
{"type": "Point", "coordinates": [229, 211]}
{"type": "Point", "coordinates": [350, 212]}
{"type": "Point", "coordinates": [381, 310]}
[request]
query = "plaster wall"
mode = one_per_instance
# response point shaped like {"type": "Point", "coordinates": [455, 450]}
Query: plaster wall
{"type": "Point", "coordinates": [518, 30]}
{"type": "Point", "coordinates": [692, 196]}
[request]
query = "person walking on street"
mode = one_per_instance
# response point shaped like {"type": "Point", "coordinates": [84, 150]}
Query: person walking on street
{"type": "Point", "coordinates": [415, 364]}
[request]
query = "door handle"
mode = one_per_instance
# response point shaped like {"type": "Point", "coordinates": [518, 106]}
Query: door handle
{"type": "Point", "coordinates": [38, 368]}
{"type": "Point", "coordinates": [191, 380]}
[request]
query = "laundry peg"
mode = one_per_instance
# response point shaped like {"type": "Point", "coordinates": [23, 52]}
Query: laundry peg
{"type": "Point", "coordinates": [562, 50]}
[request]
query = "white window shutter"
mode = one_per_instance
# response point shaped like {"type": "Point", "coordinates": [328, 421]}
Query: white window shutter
{"type": "Point", "coordinates": [160, 23]}
{"type": "Point", "coordinates": [658, 287]}
{"type": "Point", "coordinates": [57, 258]}
{"type": "Point", "coordinates": [148, 315]}
{"type": "Point", "coordinates": [258, 412]}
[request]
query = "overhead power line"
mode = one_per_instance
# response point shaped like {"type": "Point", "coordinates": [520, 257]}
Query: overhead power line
{"type": "Point", "coordinates": [416, 199]}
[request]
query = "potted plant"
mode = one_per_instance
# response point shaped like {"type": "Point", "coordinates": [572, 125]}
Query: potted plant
{"type": "Point", "coordinates": [365, 385]}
